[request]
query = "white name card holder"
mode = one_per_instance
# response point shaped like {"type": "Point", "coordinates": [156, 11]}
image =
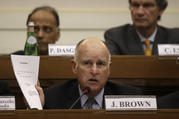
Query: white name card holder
{"type": "Point", "coordinates": [7, 103]}
{"type": "Point", "coordinates": [168, 49]}
{"type": "Point", "coordinates": [59, 50]}
{"type": "Point", "coordinates": [130, 102]}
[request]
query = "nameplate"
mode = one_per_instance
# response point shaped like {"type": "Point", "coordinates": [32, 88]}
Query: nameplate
{"type": "Point", "coordinates": [130, 102]}
{"type": "Point", "coordinates": [168, 49]}
{"type": "Point", "coordinates": [7, 103]}
{"type": "Point", "coordinates": [59, 50]}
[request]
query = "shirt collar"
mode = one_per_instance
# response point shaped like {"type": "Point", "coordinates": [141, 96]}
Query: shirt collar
{"type": "Point", "coordinates": [98, 98]}
{"type": "Point", "coordinates": [151, 38]}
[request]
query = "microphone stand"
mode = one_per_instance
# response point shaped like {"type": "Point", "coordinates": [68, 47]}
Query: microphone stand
{"type": "Point", "coordinates": [76, 101]}
{"type": "Point", "coordinates": [86, 90]}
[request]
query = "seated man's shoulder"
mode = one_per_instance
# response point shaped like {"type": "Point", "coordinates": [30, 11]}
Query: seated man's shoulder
{"type": "Point", "coordinates": [118, 29]}
{"type": "Point", "coordinates": [61, 96]}
{"type": "Point", "coordinates": [61, 88]}
{"type": "Point", "coordinates": [169, 101]}
{"type": "Point", "coordinates": [122, 89]}
{"type": "Point", "coordinates": [168, 31]}
{"type": "Point", "coordinates": [20, 52]}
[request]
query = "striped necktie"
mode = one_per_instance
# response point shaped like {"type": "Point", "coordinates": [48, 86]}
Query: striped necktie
{"type": "Point", "coordinates": [90, 102]}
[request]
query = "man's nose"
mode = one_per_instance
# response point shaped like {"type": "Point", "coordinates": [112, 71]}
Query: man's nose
{"type": "Point", "coordinates": [141, 10]}
{"type": "Point", "coordinates": [94, 69]}
{"type": "Point", "coordinates": [40, 34]}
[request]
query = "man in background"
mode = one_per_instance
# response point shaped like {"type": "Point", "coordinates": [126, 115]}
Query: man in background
{"type": "Point", "coordinates": [143, 36]}
{"type": "Point", "coordinates": [46, 20]}
{"type": "Point", "coordinates": [92, 66]}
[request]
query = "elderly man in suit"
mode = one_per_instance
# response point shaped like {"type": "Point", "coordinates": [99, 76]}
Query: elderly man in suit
{"type": "Point", "coordinates": [91, 65]}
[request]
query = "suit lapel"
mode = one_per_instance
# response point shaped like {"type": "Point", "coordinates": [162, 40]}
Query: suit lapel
{"type": "Point", "coordinates": [107, 91]}
{"type": "Point", "coordinates": [160, 38]}
{"type": "Point", "coordinates": [74, 95]}
{"type": "Point", "coordinates": [134, 42]}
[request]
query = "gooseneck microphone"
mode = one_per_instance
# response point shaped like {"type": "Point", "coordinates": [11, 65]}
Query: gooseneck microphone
{"type": "Point", "coordinates": [85, 91]}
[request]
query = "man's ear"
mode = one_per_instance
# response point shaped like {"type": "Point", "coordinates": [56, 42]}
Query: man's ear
{"type": "Point", "coordinates": [74, 66]}
{"type": "Point", "coordinates": [109, 72]}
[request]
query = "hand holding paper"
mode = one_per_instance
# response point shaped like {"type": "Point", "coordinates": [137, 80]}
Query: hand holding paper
{"type": "Point", "coordinates": [26, 70]}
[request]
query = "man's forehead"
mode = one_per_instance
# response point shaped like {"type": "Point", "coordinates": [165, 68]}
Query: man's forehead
{"type": "Point", "coordinates": [93, 49]}
{"type": "Point", "coordinates": [43, 18]}
{"type": "Point", "coordinates": [143, 1]}
{"type": "Point", "coordinates": [38, 23]}
{"type": "Point", "coordinates": [94, 58]}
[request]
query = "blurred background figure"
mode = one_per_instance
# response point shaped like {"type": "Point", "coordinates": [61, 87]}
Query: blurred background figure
{"type": "Point", "coordinates": [143, 36]}
{"type": "Point", "coordinates": [47, 31]}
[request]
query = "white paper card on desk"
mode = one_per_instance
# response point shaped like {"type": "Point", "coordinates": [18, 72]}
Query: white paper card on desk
{"type": "Point", "coordinates": [26, 69]}
{"type": "Point", "coordinates": [61, 50]}
{"type": "Point", "coordinates": [7, 103]}
{"type": "Point", "coordinates": [130, 102]}
{"type": "Point", "coordinates": [168, 49]}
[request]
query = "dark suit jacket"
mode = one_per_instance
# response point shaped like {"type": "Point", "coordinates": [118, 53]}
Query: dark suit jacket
{"type": "Point", "coordinates": [170, 101]}
{"type": "Point", "coordinates": [4, 88]}
{"type": "Point", "coordinates": [124, 40]}
{"type": "Point", "coordinates": [21, 52]}
{"type": "Point", "coordinates": [63, 96]}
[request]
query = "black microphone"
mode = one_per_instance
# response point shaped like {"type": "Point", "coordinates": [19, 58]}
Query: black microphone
{"type": "Point", "coordinates": [85, 91]}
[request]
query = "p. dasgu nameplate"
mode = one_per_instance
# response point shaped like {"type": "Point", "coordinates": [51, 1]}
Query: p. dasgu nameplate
{"type": "Point", "coordinates": [61, 50]}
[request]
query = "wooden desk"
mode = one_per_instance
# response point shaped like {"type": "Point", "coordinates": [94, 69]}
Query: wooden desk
{"type": "Point", "coordinates": [122, 67]}
{"type": "Point", "coordinates": [88, 114]}
{"type": "Point", "coordinates": [155, 75]}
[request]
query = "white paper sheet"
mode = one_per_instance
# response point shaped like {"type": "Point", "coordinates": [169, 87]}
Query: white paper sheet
{"type": "Point", "coordinates": [26, 69]}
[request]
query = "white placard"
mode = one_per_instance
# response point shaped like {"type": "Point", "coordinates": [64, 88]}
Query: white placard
{"type": "Point", "coordinates": [130, 102]}
{"type": "Point", "coordinates": [26, 69]}
{"type": "Point", "coordinates": [59, 50]}
{"type": "Point", "coordinates": [168, 49]}
{"type": "Point", "coordinates": [7, 103]}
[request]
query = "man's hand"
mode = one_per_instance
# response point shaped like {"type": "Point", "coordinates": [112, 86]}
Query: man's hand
{"type": "Point", "coordinates": [41, 93]}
